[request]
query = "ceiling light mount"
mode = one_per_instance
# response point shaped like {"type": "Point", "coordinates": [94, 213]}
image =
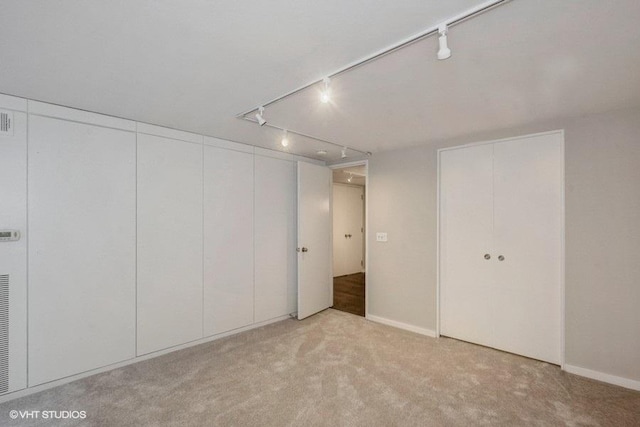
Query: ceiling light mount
{"type": "Point", "coordinates": [343, 154]}
{"type": "Point", "coordinates": [443, 50]}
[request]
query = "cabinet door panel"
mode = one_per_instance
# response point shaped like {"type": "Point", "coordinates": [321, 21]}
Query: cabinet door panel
{"type": "Point", "coordinates": [81, 247]}
{"type": "Point", "coordinates": [275, 238]}
{"type": "Point", "coordinates": [169, 243]}
{"type": "Point", "coordinates": [466, 227]}
{"type": "Point", "coordinates": [528, 233]}
{"type": "Point", "coordinates": [228, 240]}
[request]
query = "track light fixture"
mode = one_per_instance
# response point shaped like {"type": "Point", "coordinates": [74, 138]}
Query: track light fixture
{"type": "Point", "coordinates": [285, 138]}
{"type": "Point", "coordinates": [260, 116]}
{"type": "Point", "coordinates": [325, 96]}
{"type": "Point", "coordinates": [344, 152]}
{"type": "Point", "coordinates": [443, 52]}
{"type": "Point", "coordinates": [350, 178]}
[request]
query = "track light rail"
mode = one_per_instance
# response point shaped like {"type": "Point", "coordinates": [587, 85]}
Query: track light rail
{"type": "Point", "coordinates": [294, 132]}
{"type": "Point", "coordinates": [468, 14]}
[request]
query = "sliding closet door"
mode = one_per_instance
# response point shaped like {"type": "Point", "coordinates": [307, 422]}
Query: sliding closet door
{"type": "Point", "coordinates": [528, 184]}
{"type": "Point", "coordinates": [466, 229]}
{"type": "Point", "coordinates": [82, 256]}
{"type": "Point", "coordinates": [169, 242]}
{"type": "Point", "coordinates": [228, 240]}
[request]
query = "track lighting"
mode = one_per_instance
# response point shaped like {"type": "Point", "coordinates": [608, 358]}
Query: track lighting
{"type": "Point", "coordinates": [285, 139]}
{"type": "Point", "coordinates": [350, 178]}
{"type": "Point", "coordinates": [260, 116]}
{"type": "Point", "coordinates": [325, 96]}
{"type": "Point", "coordinates": [344, 152]}
{"type": "Point", "coordinates": [443, 52]}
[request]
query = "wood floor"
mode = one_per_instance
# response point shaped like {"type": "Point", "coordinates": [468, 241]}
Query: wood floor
{"type": "Point", "coordinates": [348, 293]}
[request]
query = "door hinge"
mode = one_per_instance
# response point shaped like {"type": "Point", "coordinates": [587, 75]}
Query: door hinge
{"type": "Point", "coordinates": [362, 197]}
{"type": "Point", "coordinates": [361, 263]}
{"type": "Point", "coordinates": [362, 229]}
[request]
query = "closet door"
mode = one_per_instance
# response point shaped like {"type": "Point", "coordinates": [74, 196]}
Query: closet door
{"type": "Point", "coordinates": [82, 243]}
{"type": "Point", "coordinates": [504, 200]}
{"type": "Point", "coordinates": [528, 181]}
{"type": "Point", "coordinates": [275, 234]}
{"type": "Point", "coordinates": [466, 230]}
{"type": "Point", "coordinates": [169, 242]}
{"type": "Point", "coordinates": [228, 240]}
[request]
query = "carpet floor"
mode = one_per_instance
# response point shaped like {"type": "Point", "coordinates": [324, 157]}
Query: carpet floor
{"type": "Point", "coordinates": [336, 369]}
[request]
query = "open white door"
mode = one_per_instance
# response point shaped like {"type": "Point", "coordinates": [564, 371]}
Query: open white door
{"type": "Point", "coordinates": [314, 239]}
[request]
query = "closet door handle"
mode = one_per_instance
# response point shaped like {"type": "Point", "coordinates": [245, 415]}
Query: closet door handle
{"type": "Point", "coordinates": [487, 256]}
{"type": "Point", "coordinates": [500, 258]}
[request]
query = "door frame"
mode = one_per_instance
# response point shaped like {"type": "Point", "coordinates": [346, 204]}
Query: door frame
{"type": "Point", "coordinates": [364, 163]}
{"type": "Point", "coordinates": [562, 237]}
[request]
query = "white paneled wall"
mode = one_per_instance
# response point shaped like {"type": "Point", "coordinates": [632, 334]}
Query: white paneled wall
{"type": "Point", "coordinates": [228, 240]}
{"type": "Point", "coordinates": [169, 242]}
{"type": "Point", "coordinates": [275, 237]}
{"type": "Point", "coordinates": [13, 255]}
{"type": "Point", "coordinates": [82, 242]}
{"type": "Point", "coordinates": [140, 239]}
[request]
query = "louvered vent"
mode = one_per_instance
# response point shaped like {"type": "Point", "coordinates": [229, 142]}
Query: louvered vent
{"type": "Point", "coordinates": [4, 333]}
{"type": "Point", "coordinates": [6, 123]}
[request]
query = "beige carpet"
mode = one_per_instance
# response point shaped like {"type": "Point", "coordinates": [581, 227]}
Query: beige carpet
{"type": "Point", "coordinates": [336, 369]}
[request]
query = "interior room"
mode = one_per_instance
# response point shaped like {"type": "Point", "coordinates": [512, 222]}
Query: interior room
{"type": "Point", "coordinates": [320, 213]}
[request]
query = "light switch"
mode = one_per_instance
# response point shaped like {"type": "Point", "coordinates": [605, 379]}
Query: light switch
{"type": "Point", "coordinates": [381, 237]}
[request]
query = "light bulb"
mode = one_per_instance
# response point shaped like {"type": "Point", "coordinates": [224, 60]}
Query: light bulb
{"type": "Point", "coordinates": [325, 96]}
{"type": "Point", "coordinates": [285, 139]}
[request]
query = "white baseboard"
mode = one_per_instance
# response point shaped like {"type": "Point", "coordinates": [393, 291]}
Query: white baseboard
{"type": "Point", "coordinates": [601, 376]}
{"type": "Point", "coordinates": [400, 325]}
{"type": "Point", "coordinates": [42, 387]}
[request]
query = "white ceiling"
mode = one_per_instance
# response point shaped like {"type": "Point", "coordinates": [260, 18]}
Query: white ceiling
{"type": "Point", "coordinates": [193, 65]}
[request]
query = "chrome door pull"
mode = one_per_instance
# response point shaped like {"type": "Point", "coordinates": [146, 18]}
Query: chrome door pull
{"type": "Point", "coordinates": [487, 256]}
{"type": "Point", "coordinates": [305, 250]}
{"type": "Point", "coordinates": [500, 258]}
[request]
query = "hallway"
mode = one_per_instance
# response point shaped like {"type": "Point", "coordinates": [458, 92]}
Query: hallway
{"type": "Point", "coordinates": [348, 293]}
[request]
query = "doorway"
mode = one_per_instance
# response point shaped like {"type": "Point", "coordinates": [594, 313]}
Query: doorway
{"type": "Point", "coordinates": [349, 243]}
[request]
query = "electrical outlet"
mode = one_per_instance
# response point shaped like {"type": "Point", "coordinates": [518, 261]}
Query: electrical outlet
{"type": "Point", "coordinates": [381, 237]}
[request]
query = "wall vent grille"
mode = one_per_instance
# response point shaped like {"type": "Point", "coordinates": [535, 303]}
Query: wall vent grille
{"type": "Point", "coordinates": [4, 333]}
{"type": "Point", "coordinates": [6, 123]}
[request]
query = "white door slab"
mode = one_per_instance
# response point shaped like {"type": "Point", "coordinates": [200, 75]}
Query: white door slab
{"type": "Point", "coordinates": [528, 180]}
{"type": "Point", "coordinates": [314, 239]}
{"type": "Point", "coordinates": [466, 228]}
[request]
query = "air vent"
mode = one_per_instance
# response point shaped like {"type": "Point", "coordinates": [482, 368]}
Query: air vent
{"type": "Point", "coordinates": [4, 333]}
{"type": "Point", "coordinates": [6, 123]}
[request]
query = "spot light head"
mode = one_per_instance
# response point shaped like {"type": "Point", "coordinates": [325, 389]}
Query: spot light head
{"type": "Point", "coordinates": [260, 116]}
{"type": "Point", "coordinates": [443, 52]}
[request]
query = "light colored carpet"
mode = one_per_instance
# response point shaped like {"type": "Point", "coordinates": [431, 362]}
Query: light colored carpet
{"type": "Point", "coordinates": [336, 369]}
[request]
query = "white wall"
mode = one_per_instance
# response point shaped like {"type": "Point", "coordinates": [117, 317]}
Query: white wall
{"type": "Point", "coordinates": [602, 237]}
